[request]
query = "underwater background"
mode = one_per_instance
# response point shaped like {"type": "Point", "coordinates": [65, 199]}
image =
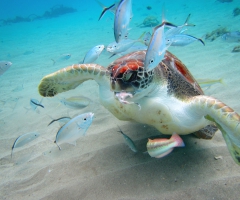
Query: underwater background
{"type": "Point", "coordinates": [36, 40]}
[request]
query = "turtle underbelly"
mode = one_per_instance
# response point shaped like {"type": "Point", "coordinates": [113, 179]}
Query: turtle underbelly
{"type": "Point", "coordinates": [163, 117]}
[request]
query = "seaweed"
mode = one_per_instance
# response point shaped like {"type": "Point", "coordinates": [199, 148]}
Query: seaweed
{"type": "Point", "coordinates": [216, 33]}
{"type": "Point", "coordinates": [236, 12]}
{"type": "Point", "coordinates": [236, 49]}
{"type": "Point", "coordinates": [55, 11]}
{"type": "Point", "coordinates": [58, 10]}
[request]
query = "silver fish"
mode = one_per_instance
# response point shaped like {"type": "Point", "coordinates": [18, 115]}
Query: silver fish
{"type": "Point", "coordinates": [182, 40]}
{"type": "Point", "coordinates": [233, 36]}
{"type": "Point", "coordinates": [123, 45]}
{"type": "Point", "coordinates": [4, 66]}
{"type": "Point", "coordinates": [24, 139]}
{"type": "Point", "coordinates": [34, 103]}
{"type": "Point", "coordinates": [157, 47]}
{"type": "Point", "coordinates": [61, 119]}
{"type": "Point", "coordinates": [93, 54]}
{"type": "Point", "coordinates": [74, 129]}
{"type": "Point", "coordinates": [147, 38]}
{"type": "Point", "coordinates": [128, 141]}
{"type": "Point", "coordinates": [76, 102]}
{"type": "Point", "coordinates": [177, 29]}
{"type": "Point", "coordinates": [62, 58]}
{"type": "Point", "coordinates": [122, 19]}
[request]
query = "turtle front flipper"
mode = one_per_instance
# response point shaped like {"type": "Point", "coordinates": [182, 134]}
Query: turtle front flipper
{"type": "Point", "coordinates": [70, 77]}
{"type": "Point", "coordinates": [226, 119]}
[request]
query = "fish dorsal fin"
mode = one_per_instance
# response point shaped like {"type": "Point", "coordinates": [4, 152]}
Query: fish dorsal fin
{"type": "Point", "coordinates": [186, 22]}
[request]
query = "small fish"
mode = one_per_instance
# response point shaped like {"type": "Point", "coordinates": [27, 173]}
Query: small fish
{"type": "Point", "coordinates": [4, 66]}
{"type": "Point", "coordinates": [159, 148]}
{"type": "Point", "coordinates": [62, 58]}
{"type": "Point", "coordinates": [128, 141]}
{"type": "Point", "coordinates": [233, 36]}
{"type": "Point", "coordinates": [24, 139]}
{"type": "Point", "coordinates": [157, 47]}
{"type": "Point", "coordinates": [209, 82]}
{"type": "Point", "coordinates": [28, 52]}
{"type": "Point", "coordinates": [111, 8]}
{"type": "Point", "coordinates": [123, 45]}
{"type": "Point", "coordinates": [35, 103]}
{"type": "Point", "coordinates": [122, 19]}
{"type": "Point", "coordinates": [182, 40]}
{"type": "Point", "coordinates": [74, 129]}
{"type": "Point", "coordinates": [147, 38]}
{"type": "Point", "coordinates": [61, 119]}
{"type": "Point", "coordinates": [76, 102]}
{"type": "Point", "coordinates": [93, 54]}
{"type": "Point", "coordinates": [122, 96]}
{"type": "Point", "coordinates": [177, 29]}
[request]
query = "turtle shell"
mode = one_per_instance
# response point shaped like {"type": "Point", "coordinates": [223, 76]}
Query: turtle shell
{"type": "Point", "coordinates": [128, 74]}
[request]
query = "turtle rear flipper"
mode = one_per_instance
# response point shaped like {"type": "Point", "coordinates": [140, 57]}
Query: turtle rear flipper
{"type": "Point", "coordinates": [226, 119]}
{"type": "Point", "coordinates": [70, 77]}
{"type": "Point", "coordinates": [207, 132]}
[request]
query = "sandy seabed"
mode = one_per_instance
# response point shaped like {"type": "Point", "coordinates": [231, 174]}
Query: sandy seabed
{"type": "Point", "coordinates": [101, 166]}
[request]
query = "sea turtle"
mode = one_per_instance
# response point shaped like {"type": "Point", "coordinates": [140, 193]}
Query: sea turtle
{"type": "Point", "coordinates": [167, 97]}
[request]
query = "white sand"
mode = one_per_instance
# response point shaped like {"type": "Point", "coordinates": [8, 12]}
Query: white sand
{"type": "Point", "coordinates": [101, 166]}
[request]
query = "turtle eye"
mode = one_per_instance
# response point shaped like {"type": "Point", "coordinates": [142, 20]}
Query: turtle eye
{"type": "Point", "coordinates": [128, 76]}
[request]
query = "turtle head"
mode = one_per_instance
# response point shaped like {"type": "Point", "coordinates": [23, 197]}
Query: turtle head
{"type": "Point", "coordinates": [129, 75]}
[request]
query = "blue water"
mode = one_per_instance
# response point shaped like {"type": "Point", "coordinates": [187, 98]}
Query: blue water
{"type": "Point", "coordinates": [101, 166]}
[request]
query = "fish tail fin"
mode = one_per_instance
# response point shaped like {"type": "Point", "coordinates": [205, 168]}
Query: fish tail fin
{"type": "Point", "coordinates": [179, 142]}
{"type": "Point", "coordinates": [221, 80]}
{"type": "Point", "coordinates": [105, 9]}
{"type": "Point", "coordinates": [57, 145]}
{"type": "Point", "coordinates": [140, 39]}
{"type": "Point", "coordinates": [200, 40]}
{"type": "Point", "coordinates": [186, 22]}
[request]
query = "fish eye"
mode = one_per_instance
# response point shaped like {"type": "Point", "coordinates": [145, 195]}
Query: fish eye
{"type": "Point", "coordinates": [84, 119]}
{"type": "Point", "coordinates": [151, 61]}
